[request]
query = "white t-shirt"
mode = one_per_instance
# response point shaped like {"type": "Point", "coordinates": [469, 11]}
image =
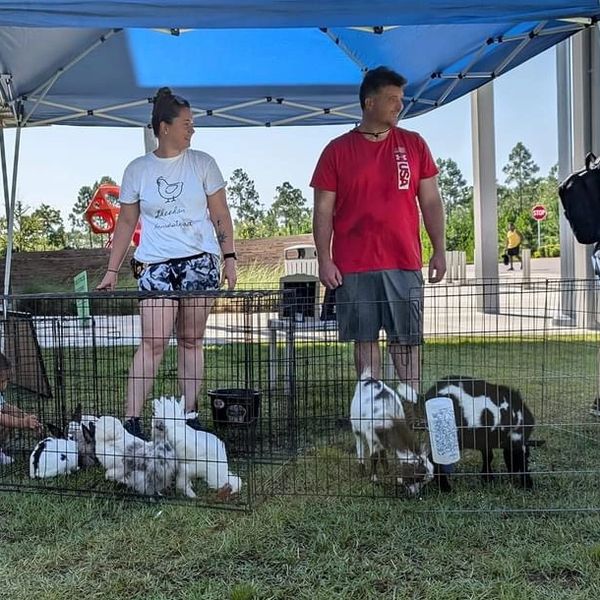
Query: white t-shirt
{"type": "Point", "coordinates": [173, 208]}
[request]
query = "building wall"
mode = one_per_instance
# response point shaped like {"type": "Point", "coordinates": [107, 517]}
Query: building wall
{"type": "Point", "coordinates": [31, 270]}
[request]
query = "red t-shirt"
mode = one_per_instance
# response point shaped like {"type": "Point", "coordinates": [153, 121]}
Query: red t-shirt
{"type": "Point", "coordinates": [376, 218]}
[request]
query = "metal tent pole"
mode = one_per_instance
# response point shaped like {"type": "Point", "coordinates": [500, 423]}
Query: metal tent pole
{"type": "Point", "coordinates": [6, 211]}
{"type": "Point", "coordinates": [150, 143]}
{"type": "Point", "coordinates": [4, 173]}
{"type": "Point", "coordinates": [11, 217]}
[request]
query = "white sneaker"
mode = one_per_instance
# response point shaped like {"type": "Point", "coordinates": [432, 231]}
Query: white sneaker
{"type": "Point", "coordinates": [5, 459]}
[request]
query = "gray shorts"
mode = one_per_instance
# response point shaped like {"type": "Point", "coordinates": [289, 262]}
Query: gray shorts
{"type": "Point", "coordinates": [391, 299]}
{"type": "Point", "coordinates": [191, 274]}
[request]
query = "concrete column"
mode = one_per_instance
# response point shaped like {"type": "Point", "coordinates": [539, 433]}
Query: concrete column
{"type": "Point", "coordinates": [585, 139]}
{"type": "Point", "coordinates": [566, 314]}
{"type": "Point", "coordinates": [484, 196]}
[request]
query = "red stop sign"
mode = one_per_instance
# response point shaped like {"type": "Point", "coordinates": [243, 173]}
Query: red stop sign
{"type": "Point", "coordinates": [539, 212]}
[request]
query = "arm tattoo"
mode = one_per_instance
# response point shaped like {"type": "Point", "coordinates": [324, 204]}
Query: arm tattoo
{"type": "Point", "coordinates": [221, 235]}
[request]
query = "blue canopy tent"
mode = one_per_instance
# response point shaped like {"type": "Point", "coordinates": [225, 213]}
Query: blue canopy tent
{"type": "Point", "coordinates": [259, 63]}
{"type": "Point", "coordinates": [287, 71]}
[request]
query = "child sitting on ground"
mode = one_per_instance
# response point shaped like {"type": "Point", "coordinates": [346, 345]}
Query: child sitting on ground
{"type": "Point", "coordinates": [11, 417]}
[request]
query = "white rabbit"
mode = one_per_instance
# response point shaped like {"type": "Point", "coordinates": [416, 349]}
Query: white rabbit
{"type": "Point", "coordinates": [145, 467]}
{"type": "Point", "coordinates": [52, 457]}
{"type": "Point", "coordinates": [199, 453]}
{"type": "Point", "coordinates": [113, 443]}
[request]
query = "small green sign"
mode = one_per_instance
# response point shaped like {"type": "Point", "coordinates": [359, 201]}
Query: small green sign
{"type": "Point", "coordinates": [81, 285]}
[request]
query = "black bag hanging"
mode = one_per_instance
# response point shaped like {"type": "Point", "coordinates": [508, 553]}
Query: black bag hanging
{"type": "Point", "coordinates": [580, 197]}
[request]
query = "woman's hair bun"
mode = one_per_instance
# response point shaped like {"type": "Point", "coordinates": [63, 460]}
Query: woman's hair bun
{"type": "Point", "coordinates": [162, 92]}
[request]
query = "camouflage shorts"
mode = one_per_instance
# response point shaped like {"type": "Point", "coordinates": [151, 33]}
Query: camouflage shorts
{"type": "Point", "coordinates": [189, 274]}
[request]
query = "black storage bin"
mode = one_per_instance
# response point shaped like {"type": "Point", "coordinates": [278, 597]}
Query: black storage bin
{"type": "Point", "coordinates": [234, 407]}
{"type": "Point", "coordinates": [235, 413]}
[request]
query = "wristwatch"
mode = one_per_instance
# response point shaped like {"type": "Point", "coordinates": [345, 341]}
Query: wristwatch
{"type": "Point", "coordinates": [230, 255]}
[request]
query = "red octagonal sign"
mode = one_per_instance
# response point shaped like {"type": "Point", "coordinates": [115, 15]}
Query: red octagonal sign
{"type": "Point", "coordinates": [539, 212]}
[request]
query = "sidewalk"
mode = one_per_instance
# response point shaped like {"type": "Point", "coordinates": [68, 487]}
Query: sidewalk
{"type": "Point", "coordinates": [529, 307]}
{"type": "Point", "coordinates": [541, 268]}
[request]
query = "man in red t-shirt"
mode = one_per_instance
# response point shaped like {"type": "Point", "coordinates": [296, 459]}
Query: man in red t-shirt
{"type": "Point", "coordinates": [369, 186]}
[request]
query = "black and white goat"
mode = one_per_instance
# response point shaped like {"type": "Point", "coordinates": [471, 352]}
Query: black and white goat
{"type": "Point", "coordinates": [489, 416]}
{"type": "Point", "coordinates": [379, 423]}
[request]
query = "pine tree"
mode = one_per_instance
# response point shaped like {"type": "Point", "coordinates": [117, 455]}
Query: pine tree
{"type": "Point", "coordinates": [452, 184]}
{"type": "Point", "coordinates": [291, 210]}
{"type": "Point", "coordinates": [520, 175]}
{"type": "Point", "coordinates": [244, 200]}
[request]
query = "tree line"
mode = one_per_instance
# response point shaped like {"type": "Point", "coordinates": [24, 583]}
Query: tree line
{"type": "Point", "coordinates": [522, 189]}
{"type": "Point", "coordinates": [290, 213]}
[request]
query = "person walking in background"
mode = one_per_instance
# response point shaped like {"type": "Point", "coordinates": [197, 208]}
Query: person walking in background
{"type": "Point", "coordinates": [513, 245]}
{"type": "Point", "coordinates": [368, 187]}
{"type": "Point", "coordinates": [11, 417]}
{"type": "Point", "coordinates": [179, 194]}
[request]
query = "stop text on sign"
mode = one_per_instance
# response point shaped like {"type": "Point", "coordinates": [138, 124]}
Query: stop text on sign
{"type": "Point", "coordinates": [539, 212]}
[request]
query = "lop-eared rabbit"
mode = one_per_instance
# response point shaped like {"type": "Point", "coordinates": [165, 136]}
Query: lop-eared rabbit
{"type": "Point", "coordinates": [379, 425]}
{"type": "Point", "coordinates": [489, 416]}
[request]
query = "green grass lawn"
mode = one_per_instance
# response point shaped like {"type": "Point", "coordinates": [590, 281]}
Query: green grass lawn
{"type": "Point", "coordinates": [318, 528]}
{"type": "Point", "coordinates": [63, 549]}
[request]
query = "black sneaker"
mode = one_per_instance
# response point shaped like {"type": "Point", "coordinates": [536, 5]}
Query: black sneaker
{"type": "Point", "coordinates": [193, 421]}
{"type": "Point", "coordinates": [134, 427]}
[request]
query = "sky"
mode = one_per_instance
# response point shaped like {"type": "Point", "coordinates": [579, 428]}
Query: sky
{"type": "Point", "coordinates": [58, 160]}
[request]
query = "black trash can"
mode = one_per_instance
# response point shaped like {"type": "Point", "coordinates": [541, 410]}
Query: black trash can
{"type": "Point", "coordinates": [235, 413]}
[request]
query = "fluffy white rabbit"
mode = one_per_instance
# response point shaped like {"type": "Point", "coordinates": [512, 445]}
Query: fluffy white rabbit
{"type": "Point", "coordinates": [52, 457]}
{"type": "Point", "coordinates": [145, 467]}
{"type": "Point", "coordinates": [200, 454]}
{"type": "Point", "coordinates": [113, 444]}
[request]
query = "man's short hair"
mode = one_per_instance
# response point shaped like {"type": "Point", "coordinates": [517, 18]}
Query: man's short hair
{"type": "Point", "coordinates": [377, 78]}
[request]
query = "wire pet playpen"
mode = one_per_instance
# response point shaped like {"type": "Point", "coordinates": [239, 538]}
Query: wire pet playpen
{"type": "Point", "coordinates": [537, 338]}
{"type": "Point", "coordinates": [62, 361]}
{"type": "Point", "coordinates": [277, 390]}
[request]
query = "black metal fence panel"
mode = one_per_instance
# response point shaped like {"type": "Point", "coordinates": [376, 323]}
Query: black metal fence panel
{"type": "Point", "coordinates": [276, 389]}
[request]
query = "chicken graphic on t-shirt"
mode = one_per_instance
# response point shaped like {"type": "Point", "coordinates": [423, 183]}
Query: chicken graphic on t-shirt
{"type": "Point", "coordinates": [169, 191]}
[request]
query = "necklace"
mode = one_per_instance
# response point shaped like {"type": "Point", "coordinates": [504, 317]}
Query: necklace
{"type": "Point", "coordinates": [375, 134]}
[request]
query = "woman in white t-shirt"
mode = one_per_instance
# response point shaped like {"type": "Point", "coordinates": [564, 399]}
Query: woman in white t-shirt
{"type": "Point", "coordinates": [179, 195]}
